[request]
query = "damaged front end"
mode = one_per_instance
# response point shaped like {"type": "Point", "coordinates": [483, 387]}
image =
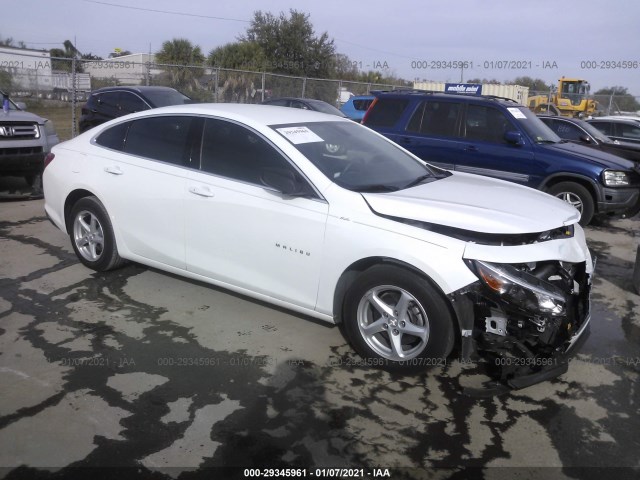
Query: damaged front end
{"type": "Point", "coordinates": [523, 320]}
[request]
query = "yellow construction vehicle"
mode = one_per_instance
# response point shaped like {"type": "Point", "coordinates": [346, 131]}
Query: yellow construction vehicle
{"type": "Point", "coordinates": [570, 99]}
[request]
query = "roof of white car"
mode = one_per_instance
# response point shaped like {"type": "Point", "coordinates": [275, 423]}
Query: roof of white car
{"type": "Point", "coordinates": [250, 113]}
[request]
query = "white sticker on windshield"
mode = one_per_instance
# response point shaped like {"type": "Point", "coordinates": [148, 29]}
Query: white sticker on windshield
{"type": "Point", "coordinates": [516, 112]}
{"type": "Point", "coordinates": [298, 135]}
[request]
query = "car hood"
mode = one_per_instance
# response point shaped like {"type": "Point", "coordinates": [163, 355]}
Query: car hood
{"type": "Point", "coordinates": [604, 159]}
{"type": "Point", "coordinates": [475, 203]}
{"type": "Point", "coordinates": [21, 116]}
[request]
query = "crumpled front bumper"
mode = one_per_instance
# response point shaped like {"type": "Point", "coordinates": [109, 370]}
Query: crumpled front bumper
{"type": "Point", "coordinates": [521, 347]}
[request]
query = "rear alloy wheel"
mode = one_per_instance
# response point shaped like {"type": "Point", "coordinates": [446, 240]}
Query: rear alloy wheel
{"type": "Point", "coordinates": [577, 196]}
{"type": "Point", "coordinates": [397, 319]}
{"type": "Point", "coordinates": [92, 236]}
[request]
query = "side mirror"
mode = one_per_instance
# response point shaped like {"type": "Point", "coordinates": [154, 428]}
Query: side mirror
{"type": "Point", "coordinates": [284, 181]}
{"type": "Point", "coordinates": [584, 138]}
{"type": "Point", "coordinates": [514, 138]}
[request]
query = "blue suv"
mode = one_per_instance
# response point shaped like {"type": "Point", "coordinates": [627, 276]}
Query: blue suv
{"type": "Point", "coordinates": [500, 138]}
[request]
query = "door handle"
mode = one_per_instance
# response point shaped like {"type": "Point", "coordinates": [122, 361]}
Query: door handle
{"type": "Point", "coordinates": [470, 148]}
{"type": "Point", "coordinates": [113, 170]}
{"type": "Point", "coordinates": [407, 140]}
{"type": "Point", "coordinates": [202, 191]}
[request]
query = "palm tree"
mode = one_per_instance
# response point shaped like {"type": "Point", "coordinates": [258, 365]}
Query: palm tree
{"type": "Point", "coordinates": [183, 61]}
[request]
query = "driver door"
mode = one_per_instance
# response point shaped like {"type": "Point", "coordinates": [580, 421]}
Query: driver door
{"type": "Point", "coordinates": [244, 234]}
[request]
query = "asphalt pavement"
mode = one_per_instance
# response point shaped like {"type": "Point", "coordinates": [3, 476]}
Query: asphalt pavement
{"type": "Point", "coordinates": [149, 375]}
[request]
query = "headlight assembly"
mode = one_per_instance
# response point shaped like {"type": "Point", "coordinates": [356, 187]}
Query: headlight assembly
{"type": "Point", "coordinates": [48, 128]}
{"type": "Point", "coordinates": [614, 178]}
{"type": "Point", "coordinates": [520, 289]}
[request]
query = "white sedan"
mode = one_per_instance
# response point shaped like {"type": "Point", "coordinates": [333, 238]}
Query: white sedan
{"type": "Point", "coordinates": [323, 216]}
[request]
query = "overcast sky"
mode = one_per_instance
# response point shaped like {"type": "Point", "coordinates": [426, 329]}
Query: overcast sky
{"type": "Point", "coordinates": [503, 39]}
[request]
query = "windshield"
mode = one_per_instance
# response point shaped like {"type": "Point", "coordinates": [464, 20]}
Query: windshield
{"type": "Point", "coordinates": [164, 98]}
{"type": "Point", "coordinates": [356, 158]}
{"type": "Point", "coordinates": [535, 127]}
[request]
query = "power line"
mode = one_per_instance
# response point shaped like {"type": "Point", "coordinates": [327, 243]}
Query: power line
{"type": "Point", "coordinates": [167, 11]}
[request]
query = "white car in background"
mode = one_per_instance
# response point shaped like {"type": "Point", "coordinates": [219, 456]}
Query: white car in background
{"type": "Point", "coordinates": [320, 215]}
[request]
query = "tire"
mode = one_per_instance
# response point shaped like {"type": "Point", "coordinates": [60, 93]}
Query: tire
{"type": "Point", "coordinates": [633, 211]}
{"type": "Point", "coordinates": [92, 235]}
{"type": "Point", "coordinates": [576, 195]}
{"type": "Point", "coordinates": [410, 338]}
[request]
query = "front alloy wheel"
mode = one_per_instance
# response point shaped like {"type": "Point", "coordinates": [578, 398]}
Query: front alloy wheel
{"type": "Point", "coordinates": [398, 319]}
{"type": "Point", "coordinates": [393, 323]}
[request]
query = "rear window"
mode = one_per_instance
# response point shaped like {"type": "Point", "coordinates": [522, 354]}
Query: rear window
{"type": "Point", "coordinates": [362, 104]}
{"type": "Point", "coordinates": [114, 137]}
{"type": "Point", "coordinates": [386, 112]}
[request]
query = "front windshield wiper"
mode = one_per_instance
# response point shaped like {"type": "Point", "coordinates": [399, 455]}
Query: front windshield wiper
{"type": "Point", "coordinates": [374, 187]}
{"type": "Point", "coordinates": [550, 141]}
{"type": "Point", "coordinates": [418, 180]}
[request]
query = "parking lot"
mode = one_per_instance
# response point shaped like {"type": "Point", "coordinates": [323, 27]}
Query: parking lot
{"type": "Point", "coordinates": [168, 377]}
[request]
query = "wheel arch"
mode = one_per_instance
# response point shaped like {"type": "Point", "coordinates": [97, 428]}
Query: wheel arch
{"type": "Point", "coordinates": [355, 269]}
{"type": "Point", "coordinates": [70, 201]}
{"type": "Point", "coordinates": [591, 186]}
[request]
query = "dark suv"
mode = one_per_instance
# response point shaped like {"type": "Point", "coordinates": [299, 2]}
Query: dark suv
{"type": "Point", "coordinates": [108, 103]}
{"type": "Point", "coordinates": [500, 138]}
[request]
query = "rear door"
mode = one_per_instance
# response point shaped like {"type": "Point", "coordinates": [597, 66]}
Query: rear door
{"type": "Point", "coordinates": [144, 169]}
{"type": "Point", "coordinates": [432, 133]}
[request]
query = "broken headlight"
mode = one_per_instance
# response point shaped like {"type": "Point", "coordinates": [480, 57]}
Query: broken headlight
{"type": "Point", "coordinates": [519, 288]}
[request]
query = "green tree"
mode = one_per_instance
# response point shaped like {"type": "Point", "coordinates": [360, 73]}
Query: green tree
{"type": "Point", "coordinates": [239, 56]}
{"type": "Point", "coordinates": [61, 57]}
{"type": "Point", "coordinates": [184, 62]}
{"type": "Point", "coordinates": [291, 45]}
{"type": "Point", "coordinates": [534, 84]}
{"type": "Point", "coordinates": [619, 98]}
{"type": "Point", "coordinates": [10, 42]}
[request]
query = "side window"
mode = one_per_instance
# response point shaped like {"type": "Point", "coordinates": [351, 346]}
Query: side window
{"type": "Point", "coordinates": [130, 103]}
{"type": "Point", "coordinates": [604, 127]}
{"type": "Point", "coordinates": [114, 137]}
{"type": "Point", "coordinates": [486, 124]}
{"type": "Point", "coordinates": [436, 118]}
{"type": "Point", "coordinates": [108, 102]}
{"type": "Point", "coordinates": [629, 131]}
{"type": "Point", "coordinates": [386, 112]}
{"type": "Point", "coordinates": [233, 151]}
{"type": "Point", "coordinates": [568, 131]}
{"type": "Point", "coordinates": [160, 138]}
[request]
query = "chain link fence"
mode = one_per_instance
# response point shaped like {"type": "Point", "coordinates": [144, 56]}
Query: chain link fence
{"type": "Point", "coordinates": [56, 88]}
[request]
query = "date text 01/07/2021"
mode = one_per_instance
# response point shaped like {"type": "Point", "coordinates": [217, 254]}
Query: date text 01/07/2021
{"type": "Point", "coordinates": [317, 473]}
